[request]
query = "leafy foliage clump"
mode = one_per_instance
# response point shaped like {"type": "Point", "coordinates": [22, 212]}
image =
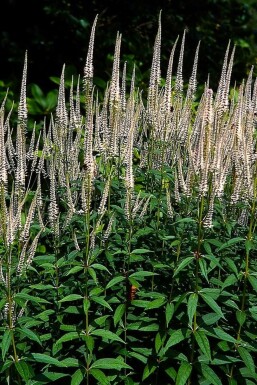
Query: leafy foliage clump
{"type": "Point", "coordinates": [128, 232]}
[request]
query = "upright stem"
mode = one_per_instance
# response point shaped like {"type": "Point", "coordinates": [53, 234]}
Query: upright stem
{"type": "Point", "coordinates": [247, 265]}
{"type": "Point", "coordinates": [86, 266]}
{"type": "Point", "coordinates": [197, 257]}
{"type": "Point", "coordinates": [126, 268]}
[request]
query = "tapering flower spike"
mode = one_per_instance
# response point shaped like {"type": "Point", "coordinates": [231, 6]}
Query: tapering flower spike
{"type": "Point", "coordinates": [89, 69]}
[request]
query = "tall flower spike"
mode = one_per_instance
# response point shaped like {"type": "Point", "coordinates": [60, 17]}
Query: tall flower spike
{"type": "Point", "coordinates": [115, 86]}
{"type": "Point", "coordinates": [129, 177]}
{"type": "Point", "coordinates": [89, 69]}
{"type": "Point", "coordinates": [248, 87]}
{"type": "Point", "coordinates": [254, 96]}
{"type": "Point", "coordinates": [222, 83]}
{"type": "Point", "coordinates": [104, 198]}
{"type": "Point", "coordinates": [22, 108]}
{"type": "Point", "coordinates": [109, 228]}
{"type": "Point", "coordinates": [53, 206]}
{"type": "Point", "coordinates": [30, 152]}
{"type": "Point", "coordinates": [156, 65]}
{"type": "Point", "coordinates": [77, 102]}
{"type": "Point", "coordinates": [89, 164]}
{"type": "Point", "coordinates": [20, 137]}
{"type": "Point", "coordinates": [192, 81]}
{"type": "Point", "coordinates": [179, 77]}
{"type": "Point", "coordinates": [21, 161]}
{"type": "Point", "coordinates": [228, 79]}
{"type": "Point", "coordinates": [155, 73]}
{"type": "Point", "coordinates": [61, 112]}
{"type": "Point", "coordinates": [3, 104]}
{"type": "Point", "coordinates": [72, 109]}
{"type": "Point", "coordinates": [24, 236]}
{"type": "Point", "coordinates": [168, 83]}
{"type": "Point", "coordinates": [10, 150]}
{"type": "Point", "coordinates": [132, 83]}
{"type": "Point", "coordinates": [123, 87]}
{"type": "Point", "coordinates": [3, 160]}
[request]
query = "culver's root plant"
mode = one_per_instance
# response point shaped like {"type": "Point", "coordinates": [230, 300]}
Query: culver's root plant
{"type": "Point", "coordinates": [128, 231]}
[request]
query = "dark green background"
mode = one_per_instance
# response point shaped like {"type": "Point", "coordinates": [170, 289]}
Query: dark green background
{"type": "Point", "coordinates": [57, 32]}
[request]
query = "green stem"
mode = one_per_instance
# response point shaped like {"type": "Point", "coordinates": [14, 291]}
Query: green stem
{"type": "Point", "coordinates": [196, 290]}
{"type": "Point", "coordinates": [247, 266]}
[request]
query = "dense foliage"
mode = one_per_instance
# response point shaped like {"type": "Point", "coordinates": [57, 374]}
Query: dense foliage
{"type": "Point", "coordinates": [128, 242]}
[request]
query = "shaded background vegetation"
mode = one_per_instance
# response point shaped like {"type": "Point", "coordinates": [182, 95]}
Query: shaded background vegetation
{"type": "Point", "coordinates": [57, 31]}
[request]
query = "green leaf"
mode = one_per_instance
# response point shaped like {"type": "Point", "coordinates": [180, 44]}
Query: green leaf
{"type": "Point", "coordinates": [77, 377]}
{"type": "Point", "coordinates": [27, 297]}
{"type": "Point", "coordinates": [210, 375]}
{"type": "Point", "coordinates": [241, 317]}
{"type": "Point", "coordinates": [110, 363]}
{"type": "Point", "coordinates": [107, 334]}
{"type": "Point", "coordinates": [231, 265]}
{"type": "Point", "coordinates": [44, 358]}
{"type": "Point", "coordinates": [210, 318]}
{"type": "Point", "coordinates": [6, 342]}
{"type": "Point", "coordinates": [40, 286]}
{"type": "Point", "coordinates": [230, 242]}
{"type": "Point", "coordinates": [184, 220]}
{"type": "Point", "coordinates": [249, 245]}
{"type": "Point", "coordinates": [118, 314]}
{"type": "Point", "coordinates": [157, 342]}
{"type": "Point", "coordinates": [101, 320]}
{"type": "Point", "coordinates": [44, 315]}
{"type": "Point", "coordinates": [169, 313]}
{"type": "Point", "coordinates": [74, 270]}
{"type": "Point", "coordinates": [213, 304]}
{"type": "Point", "coordinates": [143, 232]}
{"type": "Point", "coordinates": [114, 281]}
{"type": "Point", "coordinates": [70, 297]}
{"type": "Point", "coordinates": [203, 268]}
{"type": "Point", "coordinates": [101, 301]}
{"type": "Point", "coordinates": [99, 266]}
{"type": "Point", "coordinates": [141, 251]}
{"type": "Point", "coordinates": [2, 303]}
{"type": "Point", "coordinates": [183, 264]}
{"type": "Point", "coordinates": [203, 343]}
{"type": "Point", "coordinates": [156, 303]}
{"type": "Point", "coordinates": [24, 370]}
{"type": "Point", "coordinates": [148, 370]}
{"type": "Point", "coordinates": [86, 305]}
{"type": "Point", "coordinates": [214, 242]}
{"type": "Point", "coordinates": [138, 356]}
{"type": "Point", "coordinates": [183, 373]}
{"type": "Point", "coordinates": [67, 337]}
{"type": "Point", "coordinates": [253, 282]}
{"type": "Point", "coordinates": [30, 334]}
{"type": "Point", "coordinates": [224, 336]}
{"type": "Point", "coordinates": [140, 303]}
{"type": "Point", "coordinates": [171, 372]}
{"type": "Point", "coordinates": [149, 328]}
{"type": "Point", "coordinates": [191, 306]}
{"type": "Point", "coordinates": [247, 358]}
{"type": "Point", "coordinates": [47, 378]}
{"type": "Point", "coordinates": [93, 274]}
{"type": "Point", "coordinates": [99, 376]}
{"type": "Point", "coordinates": [245, 372]}
{"type": "Point", "coordinates": [89, 342]}
{"type": "Point", "coordinates": [230, 280]}
{"type": "Point", "coordinates": [176, 337]}
{"type": "Point", "coordinates": [142, 274]}
{"type": "Point", "coordinates": [70, 362]}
